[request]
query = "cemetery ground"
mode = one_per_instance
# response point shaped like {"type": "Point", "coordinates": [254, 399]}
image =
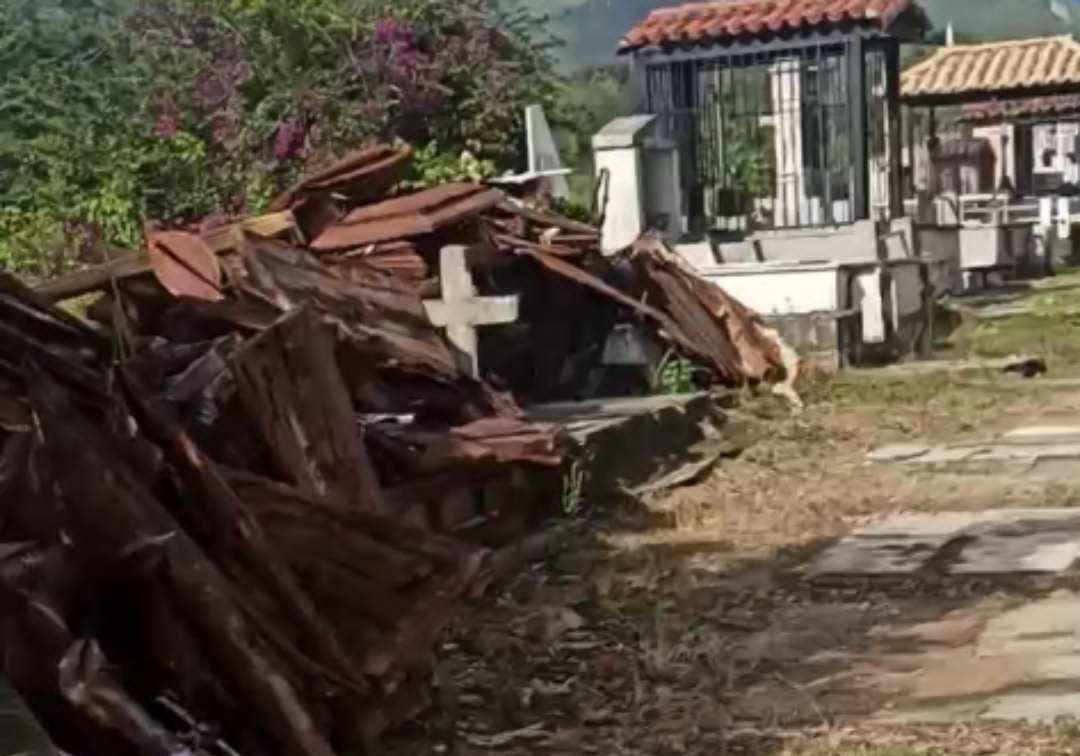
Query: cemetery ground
{"type": "Point", "coordinates": [694, 622]}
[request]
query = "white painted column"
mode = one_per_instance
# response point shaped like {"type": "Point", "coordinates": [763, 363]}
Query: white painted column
{"type": "Point", "coordinates": [786, 87]}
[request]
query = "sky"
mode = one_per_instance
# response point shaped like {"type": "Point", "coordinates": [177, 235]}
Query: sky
{"type": "Point", "coordinates": [591, 28]}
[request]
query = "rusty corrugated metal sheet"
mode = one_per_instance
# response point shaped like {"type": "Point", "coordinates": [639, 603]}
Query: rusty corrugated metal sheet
{"type": "Point", "coordinates": [399, 259]}
{"type": "Point", "coordinates": [408, 216]}
{"type": "Point", "coordinates": [185, 265]}
{"type": "Point", "coordinates": [713, 22]}
{"type": "Point", "coordinates": [368, 173]}
{"type": "Point", "coordinates": [693, 314]}
{"type": "Point", "coordinates": [1016, 64]}
{"type": "Point", "coordinates": [726, 330]}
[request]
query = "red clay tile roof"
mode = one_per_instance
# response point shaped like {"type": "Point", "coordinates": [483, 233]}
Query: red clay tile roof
{"type": "Point", "coordinates": [1057, 106]}
{"type": "Point", "coordinates": [711, 22]}
{"type": "Point", "coordinates": [979, 72]}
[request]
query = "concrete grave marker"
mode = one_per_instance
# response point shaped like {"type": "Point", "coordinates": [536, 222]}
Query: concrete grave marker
{"type": "Point", "coordinates": [544, 156]}
{"type": "Point", "coordinates": [460, 310]}
{"type": "Point", "coordinates": [1046, 212]}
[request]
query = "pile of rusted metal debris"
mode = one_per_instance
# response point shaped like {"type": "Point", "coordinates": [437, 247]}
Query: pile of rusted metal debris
{"type": "Point", "coordinates": [240, 503]}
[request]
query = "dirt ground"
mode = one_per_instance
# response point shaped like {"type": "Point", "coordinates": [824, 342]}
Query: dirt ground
{"type": "Point", "coordinates": [681, 624]}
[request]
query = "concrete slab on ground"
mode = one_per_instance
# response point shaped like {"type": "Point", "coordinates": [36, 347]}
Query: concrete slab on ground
{"type": "Point", "coordinates": [584, 420]}
{"type": "Point", "coordinates": [1022, 664]}
{"type": "Point", "coordinates": [897, 453]}
{"type": "Point", "coordinates": [929, 367]}
{"type": "Point", "coordinates": [626, 443]}
{"type": "Point", "coordinates": [1043, 434]}
{"type": "Point", "coordinates": [996, 542]}
{"type": "Point", "coordinates": [1038, 450]}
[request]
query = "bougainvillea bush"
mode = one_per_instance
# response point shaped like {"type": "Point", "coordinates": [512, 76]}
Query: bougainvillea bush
{"type": "Point", "coordinates": [119, 112]}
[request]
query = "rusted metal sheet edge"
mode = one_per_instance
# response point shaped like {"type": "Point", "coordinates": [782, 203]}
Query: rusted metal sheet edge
{"type": "Point", "coordinates": [423, 202]}
{"type": "Point", "coordinates": [351, 168]}
{"type": "Point", "coordinates": [352, 233]}
{"type": "Point", "coordinates": [131, 264]}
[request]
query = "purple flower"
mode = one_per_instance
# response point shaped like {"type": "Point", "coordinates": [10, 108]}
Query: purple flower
{"type": "Point", "coordinates": [393, 33]}
{"type": "Point", "coordinates": [384, 30]}
{"type": "Point", "coordinates": [289, 139]}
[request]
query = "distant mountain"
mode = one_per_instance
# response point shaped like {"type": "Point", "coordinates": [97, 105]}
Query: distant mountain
{"type": "Point", "coordinates": [591, 29]}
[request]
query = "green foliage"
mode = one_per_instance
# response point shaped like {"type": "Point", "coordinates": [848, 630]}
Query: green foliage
{"type": "Point", "coordinates": [573, 210]}
{"type": "Point", "coordinates": [118, 112]}
{"type": "Point", "coordinates": [590, 99]}
{"type": "Point", "coordinates": [675, 376]}
{"type": "Point", "coordinates": [746, 163]}
{"type": "Point", "coordinates": [575, 480]}
{"type": "Point", "coordinates": [431, 166]}
{"type": "Point", "coordinates": [33, 244]}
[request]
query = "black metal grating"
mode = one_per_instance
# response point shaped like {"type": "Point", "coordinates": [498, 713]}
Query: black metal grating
{"type": "Point", "coordinates": [765, 137]}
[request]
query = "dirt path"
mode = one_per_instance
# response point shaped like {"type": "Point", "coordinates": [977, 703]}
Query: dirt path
{"type": "Point", "coordinates": [683, 624]}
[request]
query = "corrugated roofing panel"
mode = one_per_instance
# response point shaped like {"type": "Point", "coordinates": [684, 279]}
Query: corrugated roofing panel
{"type": "Point", "coordinates": [408, 216]}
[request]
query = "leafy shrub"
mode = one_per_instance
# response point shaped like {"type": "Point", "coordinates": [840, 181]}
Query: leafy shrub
{"type": "Point", "coordinates": [431, 166]}
{"type": "Point", "coordinates": [118, 112]}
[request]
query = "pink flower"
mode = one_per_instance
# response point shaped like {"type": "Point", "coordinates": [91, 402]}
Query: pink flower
{"type": "Point", "coordinates": [165, 127]}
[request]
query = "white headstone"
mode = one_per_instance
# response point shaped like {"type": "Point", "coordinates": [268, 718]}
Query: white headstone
{"type": "Point", "coordinates": [1046, 212]}
{"type": "Point", "coordinates": [1064, 221]}
{"type": "Point", "coordinates": [543, 152]}
{"type": "Point", "coordinates": [872, 306]}
{"type": "Point", "coordinates": [626, 346]}
{"type": "Point", "coordinates": [460, 310]}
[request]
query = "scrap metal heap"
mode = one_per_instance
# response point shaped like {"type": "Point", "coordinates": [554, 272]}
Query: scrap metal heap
{"type": "Point", "coordinates": [237, 511]}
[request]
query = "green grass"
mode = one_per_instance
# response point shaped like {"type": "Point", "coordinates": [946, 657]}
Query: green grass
{"type": "Point", "coordinates": [1055, 337]}
{"type": "Point", "coordinates": [1050, 328]}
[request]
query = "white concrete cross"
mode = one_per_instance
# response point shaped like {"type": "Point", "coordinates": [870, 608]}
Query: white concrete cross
{"type": "Point", "coordinates": [460, 311]}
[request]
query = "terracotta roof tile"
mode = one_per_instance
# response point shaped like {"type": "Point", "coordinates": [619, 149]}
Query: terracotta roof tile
{"type": "Point", "coordinates": [994, 67]}
{"type": "Point", "coordinates": [712, 22]}
{"type": "Point", "coordinates": [1031, 107]}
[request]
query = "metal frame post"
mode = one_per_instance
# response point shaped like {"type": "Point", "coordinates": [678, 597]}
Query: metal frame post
{"type": "Point", "coordinates": [856, 53]}
{"type": "Point", "coordinates": [896, 162]}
